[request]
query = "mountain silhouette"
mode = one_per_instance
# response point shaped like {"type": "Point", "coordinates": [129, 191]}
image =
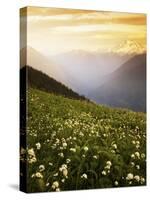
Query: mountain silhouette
{"type": "Point", "coordinates": [32, 57]}
{"type": "Point", "coordinates": [85, 70]}
{"type": "Point", "coordinates": [126, 87]}
{"type": "Point", "coordinates": [39, 80]}
{"type": "Point", "coordinates": [129, 47]}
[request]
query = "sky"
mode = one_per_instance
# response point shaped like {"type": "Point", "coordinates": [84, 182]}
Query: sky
{"type": "Point", "coordinates": [53, 31]}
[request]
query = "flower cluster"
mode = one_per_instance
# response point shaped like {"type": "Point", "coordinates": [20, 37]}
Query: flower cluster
{"type": "Point", "coordinates": [31, 157]}
{"type": "Point", "coordinates": [107, 168]}
{"type": "Point", "coordinates": [38, 146]}
{"type": "Point", "coordinates": [55, 186]}
{"type": "Point", "coordinates": [64, 170]}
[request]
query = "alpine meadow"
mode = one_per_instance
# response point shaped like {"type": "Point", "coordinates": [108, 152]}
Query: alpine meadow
{"type": "Point", "coordinates": [82, 99]}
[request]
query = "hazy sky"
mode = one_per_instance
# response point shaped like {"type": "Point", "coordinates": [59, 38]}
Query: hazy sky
{"type": "Point", "coordinates": [52, 31]}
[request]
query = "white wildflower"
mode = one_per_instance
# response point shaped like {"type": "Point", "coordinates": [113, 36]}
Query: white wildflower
{"type": "Point", "coordinates": [51, 164]}
{"type": "Point", "coordinates": [57, 141]}
{"type": "Point", "coordinates": [132, 164]}
{"type": "Point", "coordinates": [61, 155]}
{"type": "Point", "coordinates": [47, 184]}
{"type": "Point", "coordinates": [63, 180]}
{"type": "Point", "coordinates": [33, 175]}
{"type": "Point", "coordinates": [55, 185]}
{"type": "Point", "coordinates": [63, 166]}
{"type": "Point", "coordinates": [129, 176]}
{"type": "Point", "coordinates": [73, 150]}
{"type": "Point", "coordinates": [38, 175]}
{"type": "Point", "coordinates": [68, 160]}
{"type": "Point", "coordinates": [112, 151]}
{"type": "Point", "coordinates": [95, 157]}
{"type": "Point", "coordinates": [137, 178]}
{"type": "Point", "coordinates": [137, 146]}
{"type": "Point", "coordinates": [104, 173]}
{"type": "Point", "coordinates": [65, 172]}
{"type": "Point", "coordinates": [133, 142]}
{"type": "Point", "coordinates": [41, 168]}
{"type": "Point", "coordinates": [56, 174]}
{"type": "Point", "coordinates": [132, 156]}
{"type": "Point", "coordinates": [137, 154]}
{"type": "Point", "coordinates": [31, 156]}
{"type": "Point", "coordinates": [81, 134]}
{"type": "Point", "coordinates": [137, 166]}
{"type": "Point", "coordinates": [114, 146]}
{"type": "Point", "coordinates": [130, 182]}
{"type": "Point", "coordinates": [84, 176]}
{"type": "Point", "coordinates": [86, 149]}
{"type": "Point", "coordinates": [138, 142]}
{"type": "Point", "coordinates": [109, 163]}
{"type": "Point", "coordinates": [31, 152]}
{"type": "Point", "coordinates": [64, 144]}
{"type": "Point", "coordinates": [116, 183]}
{"type": "Point", "coordinates": [142, 180]}
{"type": "Point", "coordinates": [143, 155]}
{"type": "Point", "coordinates": [107, 167]}
{"type": "Point", "coordinates": [38, 146]}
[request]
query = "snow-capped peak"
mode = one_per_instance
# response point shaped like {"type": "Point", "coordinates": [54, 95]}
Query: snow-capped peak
{"type": "Point", "coordinates": [129, 47]}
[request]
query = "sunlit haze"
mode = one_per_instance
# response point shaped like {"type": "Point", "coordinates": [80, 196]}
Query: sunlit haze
{"type": "Point", "coordinates": [53, 31]}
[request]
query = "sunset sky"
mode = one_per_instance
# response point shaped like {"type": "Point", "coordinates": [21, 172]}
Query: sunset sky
{"type": "Point", "coordinates": [53, 31]}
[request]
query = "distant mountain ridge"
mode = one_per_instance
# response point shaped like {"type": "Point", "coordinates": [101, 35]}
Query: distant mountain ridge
{"type": "Point", "coordinates": [80, 70]}
{"type": "Point", "coordinates": [31, 57]}
{"type": "Point", "coordinates": [129, 47]}
{"type": "Point", "coordinates": [39, 80]}
{"type": "Point", "coordinates": [126, 87]}
{"type": "Point", "coordinates": [84, 69]}
{"type": "Point", "coordinates": [112, 79]}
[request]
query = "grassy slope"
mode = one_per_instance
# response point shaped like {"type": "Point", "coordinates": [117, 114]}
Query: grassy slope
{"type": "Point", "coordinates": [39, 80]}
{"type": "Point", "coordinates": [80, 124]}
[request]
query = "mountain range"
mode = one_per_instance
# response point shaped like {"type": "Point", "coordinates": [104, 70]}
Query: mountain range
{"type": "Point", "coordinates": [39, 80]}
{"type": "Point", "coordinates": [125, 87]}
{"type": "Point", "coordinates": [87, 70]}
{"type": "Point", "coordinates": [129, 47]}
{"type": "Point", "coordinates": [32, 57]}
{"type": "Point", "coordinates": [113, 79]}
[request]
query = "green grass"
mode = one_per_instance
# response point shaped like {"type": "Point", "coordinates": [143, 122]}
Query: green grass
{"type": "Point", "coordinates": [109, 145]}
